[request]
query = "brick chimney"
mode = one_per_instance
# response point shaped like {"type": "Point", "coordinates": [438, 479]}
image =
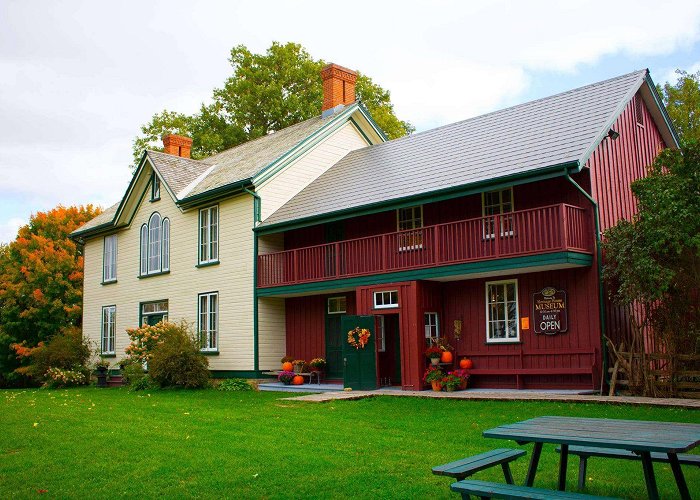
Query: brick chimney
{"type": "Point", "coordinates": [177, 145]}
{"type": "Point", "coordinates": [338, 87]}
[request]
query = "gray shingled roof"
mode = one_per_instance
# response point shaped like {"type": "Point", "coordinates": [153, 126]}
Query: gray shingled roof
{"type": "Point", "coordinates": [105, 217]}
{"type": "Point", "coordinates": [528, 137]}
{"type": "Point", "coordinates": [177, 172]}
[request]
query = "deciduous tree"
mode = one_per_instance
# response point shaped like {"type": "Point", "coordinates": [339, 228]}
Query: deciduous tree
{"type": "Point", "coordinates": [267, 92]}
{"type": "Point", "coordinates": [41, 281]}
{"type": "Point", "coordinates": [682, 101]}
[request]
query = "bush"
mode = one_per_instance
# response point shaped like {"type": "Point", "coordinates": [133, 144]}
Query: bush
{"type": "Point", "coordinates": [176, 360]}
{"type": "Point", "coordinates": [55, 378]}
{"type": "Point", "coordinates": [65, 351]}
{"type": "Point", "coordinates": [132, 372]}
{"type": "Point", "coordinates": [235, 384]}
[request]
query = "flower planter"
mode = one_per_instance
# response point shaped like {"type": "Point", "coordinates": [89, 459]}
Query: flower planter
{"type": "Point", "coordinates": [437, 385]}
{"type": "Point", "coordinates": [101, 376]}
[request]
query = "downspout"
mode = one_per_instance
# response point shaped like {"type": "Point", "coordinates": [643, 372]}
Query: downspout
{"type": "Point", "coordinates": [601, 293]}
{"type": "Point", "coordinates": [257, 203]}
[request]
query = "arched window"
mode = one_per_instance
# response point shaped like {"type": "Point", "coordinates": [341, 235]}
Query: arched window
{"type": "Point", "coordinates": [155, 245]}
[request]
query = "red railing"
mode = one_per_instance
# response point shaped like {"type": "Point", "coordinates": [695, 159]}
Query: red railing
{"type": "Point", "coordinates": [539, 230]}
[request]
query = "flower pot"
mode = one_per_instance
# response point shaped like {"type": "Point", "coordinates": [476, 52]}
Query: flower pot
{"type": "Point", "coordinates": [287, 382]}
{"type": "Point", "coordinates": [450, 388]}
{"type": "Point", "coordinates": [463, 385]}
{"type": "Point", "coordinates": [435, 361]}
{"type": "Point", "coordinates": [102, 378]}
{"type": "Point", "coordinates": [297, 368]}
{"type": "Point", "coordinates": [446, 357]}
{"type": "Point", "coordinates": [437, 385]}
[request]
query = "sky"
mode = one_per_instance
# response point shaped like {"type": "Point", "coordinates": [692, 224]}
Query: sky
{"type": "Point", "coordinates": [79, 78]}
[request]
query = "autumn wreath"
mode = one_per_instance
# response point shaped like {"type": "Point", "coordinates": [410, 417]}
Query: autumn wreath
{"type": "Point", "coordinates": [359, 337]}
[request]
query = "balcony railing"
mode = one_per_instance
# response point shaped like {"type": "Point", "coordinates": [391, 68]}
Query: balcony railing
{"type": "Point", "coordinates": [541, 230]}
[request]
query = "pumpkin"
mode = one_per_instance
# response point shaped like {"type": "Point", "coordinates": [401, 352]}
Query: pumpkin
{"type": "Point", "coordinates": [287, 367]}
{"type": "Point", "coordinates": [446, 357]}
{"type": "Point", "coordinates": [465, 363]}
{"type": "Point", "coordinates": [298, 380]}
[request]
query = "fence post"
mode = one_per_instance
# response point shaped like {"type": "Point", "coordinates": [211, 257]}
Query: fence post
{"type": "Point", "coordinates": [337, 259]}
{"type": "Point", "coordinates": [565, 227]}
{"type": "Point", "coordinates": [436, 245]}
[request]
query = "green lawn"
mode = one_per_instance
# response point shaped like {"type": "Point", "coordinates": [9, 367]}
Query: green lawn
{"type": "Point", "coordinates": [93, 443]}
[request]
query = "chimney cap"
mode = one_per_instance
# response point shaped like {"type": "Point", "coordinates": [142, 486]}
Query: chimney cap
{"type": "Point", "coordinates": [333, 70]}
{"type": "Point", "coordinates": [178, 145]}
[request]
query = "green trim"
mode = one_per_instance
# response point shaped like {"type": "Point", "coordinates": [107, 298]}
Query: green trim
{"type": "Point", "coordinates": [599, 258]}
{"type": "Point", "coordinates": [659, 103]}
{"type": "Point", "coordinates": [235, 373]}
{"type": "Point", "coordinates": [199, 327]}
{"type": "Point", "coordinates": [428, 197]}
{"type": "Point", "coordinates": [359, 130]}
{"type": "Point", "coordinates": [257, 207]}
{"type": "Point", "coordinates": [209, 353]}
{"type": "Point", "coordinates": [108, 355]}
{"type": "Point", "coordinates": [141, 304]}
{"type": "Point", "coordinates": [302, 147]}
{"type": "Point", "coordinates": [365, 112]}
{"type": "Point", "coordinates": [110, 282]}
{"type": "Point", "coordinates": [155, 177]}
{"type": "Point", "coordinates": [571, 258]}
{"type": "Point", "coordinates": [159, 273]}
{"type": "Point", "coordinates": [209, 264]}
{"type": "Point", "coordinates": [214, 194]}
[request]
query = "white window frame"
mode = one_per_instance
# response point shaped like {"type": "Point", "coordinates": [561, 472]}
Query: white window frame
{"type": "Point", "coordinates": [340, 301]}
{"type": "Point", "coordinates": [208, 321]}
{"type": "Point", "coordinates": [384, 304]}
{"type": "Point", "coordinates": [381, 334]}
{"type": "Point", "coordinates": [108, 330]}
{"type": "Point", "coordinates": [109, 259]}
{"type": "Point", "coordinates": [155, 246]}
{"type": "Point", "coordinates": [209, 235]}
{"type": "Point", "coordinates": [489, 231]}
{"type": "Point", "coordinates": [155, 187]}
{"type": "Point", "coordinates": [429, 325]}
{"type": "Point", "coordinates": [506, 339]}
{"type": "Point", "coordinates": [412, 240]}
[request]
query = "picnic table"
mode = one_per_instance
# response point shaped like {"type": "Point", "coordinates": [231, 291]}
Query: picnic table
{"type": "Point", "coordinates": [640, 437]}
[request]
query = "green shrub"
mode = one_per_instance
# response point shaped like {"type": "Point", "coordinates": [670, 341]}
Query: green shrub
{"type": "Point", "coordinates": [176, 361]}
{"type": "Point", "coordinates": [131, 372]}
{"type": "Point", "coordinates": [145, 383]}
{"type": "Point", "coordinates": [234, 384]}
{"type": "Point", "coordinates": [56, 377]}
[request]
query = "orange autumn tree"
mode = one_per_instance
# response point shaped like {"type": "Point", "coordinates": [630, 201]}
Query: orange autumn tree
{"type": "Point", "coordinates": [41, 282]}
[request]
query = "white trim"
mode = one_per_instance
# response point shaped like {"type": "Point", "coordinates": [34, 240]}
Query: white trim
{"type": "Point", "coordinates": [345, 304]}
{"type": "Point", "coordinates": [211, 319]}
{"type": "Point", "coordinates": [381, 335]}
{"type": "Point", "coordinates": [517, 312]}
{"type": "Point", "coordinates": [385, 306]}
{"type": "Point", "coordinates": [112, 264]}
{"type": "Point", "coordinates": [208, 242]}
{"type": "Point", "coordinates": [108, 336]}
{"type": "Point", "coordinates": [437, 325]}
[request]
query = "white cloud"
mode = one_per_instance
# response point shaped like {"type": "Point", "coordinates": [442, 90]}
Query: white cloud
{"type": "Point", "coordinates": [9, 228]}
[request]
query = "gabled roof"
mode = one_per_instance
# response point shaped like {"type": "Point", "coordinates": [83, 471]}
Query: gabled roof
{"type": "Point", "coordinates": [187, 179]}
{"type": "Point", "coordinates": [555, 132]}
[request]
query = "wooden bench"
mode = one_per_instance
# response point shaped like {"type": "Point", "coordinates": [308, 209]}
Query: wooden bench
{"type": "Point", "coordinates": [584, 452]}
{"type": "Point", "coordinates": [485, 489]}
{"type": "Point", "coordinates": [465, 467]}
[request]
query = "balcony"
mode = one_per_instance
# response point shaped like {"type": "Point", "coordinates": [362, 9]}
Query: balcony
{"type": "Point", "coordinates": [555, 228]}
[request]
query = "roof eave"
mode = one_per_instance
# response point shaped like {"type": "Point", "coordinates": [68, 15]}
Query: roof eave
{"type": "Point", "coordinates": [556, 170]}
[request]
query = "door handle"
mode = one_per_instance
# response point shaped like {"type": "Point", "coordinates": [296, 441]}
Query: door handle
{"type": "Point", "coordinates": [345, 361]}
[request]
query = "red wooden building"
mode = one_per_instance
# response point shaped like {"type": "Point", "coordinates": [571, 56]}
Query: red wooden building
{"type": "Point", "coordinates": [485, 232]}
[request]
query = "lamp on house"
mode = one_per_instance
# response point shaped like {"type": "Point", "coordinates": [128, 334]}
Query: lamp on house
{"type": "Point", "coordinates": [613, 134]}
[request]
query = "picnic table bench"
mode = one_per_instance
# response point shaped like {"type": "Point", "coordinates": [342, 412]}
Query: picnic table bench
{"type": "Point", "coordinates": [585, 452]}
{"type": "Point", "coordinates": [485, 489]}
{"type": "Point", "coordinates": [460, 469]}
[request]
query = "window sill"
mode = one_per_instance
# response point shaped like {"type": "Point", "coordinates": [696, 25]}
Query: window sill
{"type": "Point", "coordinates": [110, 282]}
{"type": "Point", "coordinates": [155, 199]}
{"type": "Point", "coordinates": [502, 342]}
{"type": "Point", "coordinates": [209, 353]}
{"type": "Point", "coordinates": [108, 355]}
{"type": "Point", "coordinates": [207, 264]}
{"type": "Point", "coordinates": [142, 276]}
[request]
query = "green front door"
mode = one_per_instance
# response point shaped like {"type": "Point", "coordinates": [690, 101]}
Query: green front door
{"type": "Point", "coordinates": [334, 346]}
{"type": "Point", "coordinates": [360, 365]}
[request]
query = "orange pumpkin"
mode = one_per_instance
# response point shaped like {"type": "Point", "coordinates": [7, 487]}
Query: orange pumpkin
{"type": "Point", "coordinates": [465, 363]}
{"type": "Point", "coordinates": [298, 380]}
{"type": "Point", "coordinates": [287, 367]}
{"type": "Point", "coordinates": [446, 357]}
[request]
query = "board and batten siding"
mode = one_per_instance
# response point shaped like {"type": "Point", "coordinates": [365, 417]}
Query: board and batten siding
{"type": "Point", "coordinates": [284, 185]}
{"type": "Point", "coordinates": [232, 278]}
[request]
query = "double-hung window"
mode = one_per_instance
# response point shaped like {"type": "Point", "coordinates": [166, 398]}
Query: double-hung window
{"type": "Point", "coordinates": [386, 300]}
{"type": "Point", "coordinates": [208, 321]}
{"type": "Point", "coordinates": [498, 203]}
{"type": "Point", "coordinates": [410, 222]}
{"type": "Point", "coordinates": [155, 188]}
{"type": "Point", "coordinates": [502, 311]}
{"type": "Point", "coordinates": [109, 259]}
{"type": "Point", "coordinates": [155, 245]}
{"type": "Point", "coordinates": [109, 324]}
{"type": "Point", "coordinates": [432, 331]}
{"type": "Point", "coordinates": [209, 235]}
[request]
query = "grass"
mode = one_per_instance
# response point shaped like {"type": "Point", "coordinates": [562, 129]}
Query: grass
{"type": "Point", "coordinates": [114, 443]}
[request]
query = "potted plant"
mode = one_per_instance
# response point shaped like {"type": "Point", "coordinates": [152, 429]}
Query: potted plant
{"type": "Point", "coordinates": [451, 382]}
{"type": "Point", "coordinates": [317, 364]}
{"type": "Point", "coordinates": [298, 365]}
{"type": "Point", "coordinates": [433, 353]}
{"type": "Point", "coordinates": [446, 350]}
{"type": "Point", "coordinates": [286, 377]}
{"type": "Point", "coordinates": [101, 367]}
{"type": "Point", "coordinates": [433, 376]}
{"type": "Point", "coordinates": [463, 374]}
{"type": "Point", "coordinates": [287, 363]}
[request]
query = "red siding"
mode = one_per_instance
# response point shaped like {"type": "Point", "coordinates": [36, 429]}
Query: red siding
{"type": "Point", "coordinates": [613, 166]}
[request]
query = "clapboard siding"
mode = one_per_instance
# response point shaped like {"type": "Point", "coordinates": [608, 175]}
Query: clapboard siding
{"type": "Point", "coordinates": [292, 179]}
{"type": "Point", "coordinates": [232, 278]}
